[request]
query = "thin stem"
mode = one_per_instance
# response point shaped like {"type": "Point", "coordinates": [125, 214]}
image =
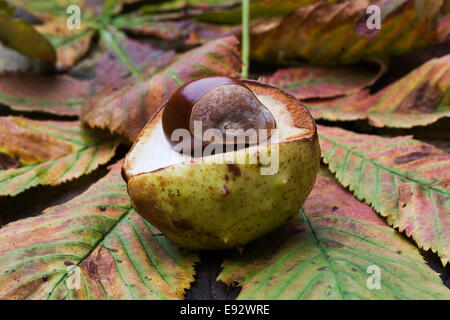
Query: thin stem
{"type": "Point", "coordinates": [245, 37]}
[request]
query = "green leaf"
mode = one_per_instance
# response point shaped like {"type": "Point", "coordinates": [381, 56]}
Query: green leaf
{"type": "Point", "coordinates": [331, 254]}
{"type": "Point", "coordinates": [48, 152]}
{"type": "Point", "coordinates": [21, 36]}
{"type": "Point", "coordinates": [403, 179]}
{"type": "Point", "coordinates": [70, 44]}
{"type": "Point", "coordinates": [92, 247]}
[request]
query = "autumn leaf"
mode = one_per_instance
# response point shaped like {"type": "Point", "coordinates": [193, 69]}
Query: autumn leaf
{"type": "Point", "coordinates": [56, 94]}
{"type": "Point", "coordinates": [125, 57]}
{"type": "Point", "coordinates": [333, 253]}
{"type": "Point", "coordinates": [331, 33]}
{"type": "Point", "coordinates": [21, 36]}
{"type": "Point", "coordinates": [48, 152]}
{"type": "Point", "coordinates": [188, 30]}
{"type": "Point", "coordinates": [443, 29]}
{"type": "Point", "coordinates": [319, 82]}
{"type": "Point", "coordinates": [403, 179]}
{"type": "Point", "coordinates": [92, 247]}
{"type": "Point", "coordinates": [258, 9]}
{"type": "Point", "coordinates": [126, 110]}
{"type": "Point", "coordinates": [70, 44]}
{"type": "Point", "coordinates": [420, 98]}
{"type": "Point", "coordinates": [183, 5]}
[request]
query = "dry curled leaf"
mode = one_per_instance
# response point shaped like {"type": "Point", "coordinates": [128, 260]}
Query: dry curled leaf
{"type": "Point", "coordinates": [331, 254]}
{"type": "Point", "coordinates": [331, 33]}
{"type": "Point", "coordinates": [92, 247]}
{"type": "Point", "coordinates": [403, 179]}
{"type": "Point", "coordinates": [126, 110]}
{"type": "Point", "coordinates": [48, 152]}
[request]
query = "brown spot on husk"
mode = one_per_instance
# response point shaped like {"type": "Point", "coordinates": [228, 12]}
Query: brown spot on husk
{"type": "Point", "coordinates": [234, 169]}
{"type": "Point", "coordinates": [183, 224]}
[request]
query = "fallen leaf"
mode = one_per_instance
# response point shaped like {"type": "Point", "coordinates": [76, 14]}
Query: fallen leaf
{"type": "Point", "coordinates": [92, 247]}
{"type": "Point", "coordinates": [190, 31]}
{"type": "Point", "coordinates": [320, 82]}
{"type": "Point", "coordinates": [443, 30]}
{"type": "Point", "coordinates": [70, 44]}
{"type": "Point", "coordinates": [49, 152]}
{"type": "Point", "coordinates": [403, 179]}
{"type": "Point", "coordinates": [419, 98]}
{"type": "Point", "coordinates": [21, 36]}
{"type": "Point", "coordinates": [330, 33]}
{"type": "Point", "coordinates": [258, 9]}
{"type": "Point", "coordinates": [56, 94]}
{"type": "Point", "coordinates": [143, 57]}
{"type": "Point", "coordinates": [335, 252]}
{"type": "Point", "coordinates": [126, 110]}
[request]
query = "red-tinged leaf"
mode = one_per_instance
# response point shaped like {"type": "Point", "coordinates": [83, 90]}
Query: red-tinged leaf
{"type": "Point", "coordinates": [57, 94]}
{"type": "Point", "coordinates": [92, 247]}
{"type": "Point", "coordinates": [403, 179]}
{"type": "Point", "coordinates": [420, 98]}
{"type": "Point", "coordinates": [339, 108]}
{"type": "Point", "coordinates": [48, 152]}
{"type": "Point", "coordinates": [125, 111]}
{"type": "Point", "coordinates": [330, 33]}
{"type": "Point", "coordinates": [21, 36]}
{"type": "Point", "coordinates": [443, 29]}
{"type": "Point", "coordinates": [320, 82]}
{"type": "Point", "coordinates": [333, 253]}
{"type": "Point", "coordinates": [144, 58]}
{"type": "Point", "coordinates": [189, 30]}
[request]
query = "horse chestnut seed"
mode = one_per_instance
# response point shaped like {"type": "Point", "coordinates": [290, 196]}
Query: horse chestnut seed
{"type": "Point", "coordinates": [221, 103]}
